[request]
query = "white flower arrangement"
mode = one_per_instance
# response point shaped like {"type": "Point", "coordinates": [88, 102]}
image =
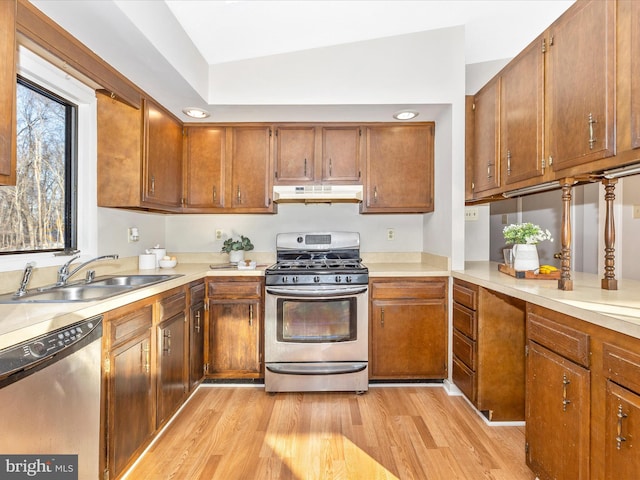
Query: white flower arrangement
{"type": "Point", "coordinates": [525, 233]}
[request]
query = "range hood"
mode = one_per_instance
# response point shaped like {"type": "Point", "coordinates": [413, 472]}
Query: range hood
{"type": "Point", "coordinates": [317, 193]}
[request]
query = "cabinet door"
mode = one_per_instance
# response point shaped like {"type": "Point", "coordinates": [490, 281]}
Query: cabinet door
{"type": "Point", "coordinates": [341, 154]}
{"type": "Point", "coordinates": [409, 339]}
{"type": "Point", "coordinates": [522, 116]}
{"type": "Point", "coordinates": [196, 344]}
{"type": "Point", "coordinates": [204, 167]}
{"type": "Point", "coordinates": [622, 461]}
{"type": "Point", "coordinates": [581, 89]}
{"type": "Point", "coordinates": [635, 73]}
{"type": "Point", "coordinates": [557, 416]}
{"type": "Point", "coordinates": [234, 332]}
{"type": "Point", "coordinates": [295, 154]}
{"type": "Point", "coordinates": [486, 164]}
{"type": "Point", "coordinates": [399, 169]}
{"type": "Point", "coordinates": [120, 140]}
{"type": "Point", "coordinates": [163, 164]}
{"type": "Point", "coordinates": [130, 401]}
{"type": "Point", "coordinates": [172, 384]}
{"type": "Point", "coordinates": [250, 180]}
{"type": "Point", "coordinates": [8, 92]}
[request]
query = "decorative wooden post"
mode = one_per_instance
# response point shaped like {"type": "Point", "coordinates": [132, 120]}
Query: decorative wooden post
{"type": "Point", "coordinates": [565, 282]}
{"type": "Point", "coordinates": [609, 281]}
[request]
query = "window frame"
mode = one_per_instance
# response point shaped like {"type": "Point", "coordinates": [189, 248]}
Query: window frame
{"type": "Point", "coordinates": [44, 73]}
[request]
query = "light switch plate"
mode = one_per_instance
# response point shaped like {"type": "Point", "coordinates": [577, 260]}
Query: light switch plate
{"type": "Point", "coordinates": [636, 211]}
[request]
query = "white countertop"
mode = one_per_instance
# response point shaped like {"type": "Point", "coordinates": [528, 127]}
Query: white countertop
{"type": "Point", "coordinates": [617, 310]}
{"type": "Point", "coordinates": [22, 321]}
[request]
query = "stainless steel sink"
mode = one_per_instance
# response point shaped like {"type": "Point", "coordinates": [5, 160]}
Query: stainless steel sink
{"type": "Point", "coordinates": [99, 289]}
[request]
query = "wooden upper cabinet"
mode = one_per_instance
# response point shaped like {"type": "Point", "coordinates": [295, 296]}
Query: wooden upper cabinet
{"type": "Point", "coordinates": [580, 85]}
{"type": "Point", "coordinates": [120, 140]}
{"type": "Point", "coordinates": [163, 166]}
{"type": "Point", "coordinates": [399, 162]}
{"type": "Point", "coordinates": [295, 154]}
{"type": "Point", "coordinates": [328, 154]}
{"type": "Point", "coordinates": [8, 92]}
{"type": "Point", "coordinates": [522, 116]}
{"type": "Point", "coordinates": [249, 182]}
{"type": "Point", "coordinates": [341, 146]}
{"type": "Point", "coordinates": [139, 156]}
{"type": "Point", "coordinates": [486, 155]}
{"type": "Point", "coordinates": [204, 160]}
{"type": "Point", "coordinates": [635, 73]}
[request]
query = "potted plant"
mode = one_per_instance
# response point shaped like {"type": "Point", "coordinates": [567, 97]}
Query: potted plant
{"type": "Point", "coordinates": [525, 237]}
{"type": "Point", "coordinates": [236, 248]}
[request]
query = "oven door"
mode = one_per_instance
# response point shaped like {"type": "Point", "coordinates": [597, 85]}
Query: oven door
{"type": "Point", "coordinates": [316, 323]}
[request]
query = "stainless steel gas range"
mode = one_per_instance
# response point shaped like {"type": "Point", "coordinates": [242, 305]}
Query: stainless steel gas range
{"type": "Point", "coordinates": [316, 314]}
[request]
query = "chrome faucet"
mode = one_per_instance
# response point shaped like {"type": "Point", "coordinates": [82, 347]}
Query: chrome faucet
{"type": "Point", "coordinates": [64, 274]}
{"type": "Point", "coordinates": [26, 276]}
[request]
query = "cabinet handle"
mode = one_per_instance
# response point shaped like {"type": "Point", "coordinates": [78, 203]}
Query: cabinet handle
{"type": "Point", "coordinates": [619, 438]}
{"type": "Point", "coordinates": [198, 321]}
{"type": "Point", "coordinates": [238, 195]}
{"type": "Point", "coordinates": [592, 139]}
{"type": "Point", "coordinates": [489, 165]}
{"type": "Point", "coordinates": [565, 401]}
{"type": "Point", "coordinates": [215, 194]}
{"type": "Point", "coordinates": [382, 317]}
{"type": "Point", "coordinates": [152, 191]}
{"type": "Point", "coordinates": [145, 356]}
{"type": "Point", "coordinates": [330, 167]}
{"type": "Point", "coordinates": [375, 194]}
{"type": "Point", "coordinates": [167, 342]}
{"type": "Point", "coordinates": [305, 167]}
{"type": "Point", "coordinates": [508, 162]}
{"type": "Point", "coordinates": [251, 315]}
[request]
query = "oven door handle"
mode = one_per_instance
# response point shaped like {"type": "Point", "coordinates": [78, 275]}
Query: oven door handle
{"type": "Point", "coordinates": [315, 292]}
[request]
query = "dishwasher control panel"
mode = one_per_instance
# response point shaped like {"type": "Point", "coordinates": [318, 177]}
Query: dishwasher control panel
{"type": "Point", "coordinates": [31, 353]}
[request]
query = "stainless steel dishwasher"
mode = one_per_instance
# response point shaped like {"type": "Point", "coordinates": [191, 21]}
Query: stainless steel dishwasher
{"type": "Point", "coordinates": [50, 396]}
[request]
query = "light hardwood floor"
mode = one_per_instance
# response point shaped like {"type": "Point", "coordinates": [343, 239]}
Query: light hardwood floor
{"type": "Point", "coordinates": [389, 432]}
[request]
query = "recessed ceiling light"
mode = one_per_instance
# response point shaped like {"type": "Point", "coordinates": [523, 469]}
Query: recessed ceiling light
{"type": "Point", "coordinates": [405, 115]}
{"type": "Point", "coordinates": [194, 112]}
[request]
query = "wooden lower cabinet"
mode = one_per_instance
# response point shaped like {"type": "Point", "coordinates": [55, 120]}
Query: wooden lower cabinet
{"type": "Point", "coordinates": [197, 292]}
{"type": "Point", "coordinates": [408, 328]}
{"type": "Point", "coordinates": [130, 396]}
{"type": "Point", "coordinates": [172, 354]}
{"type": "Point", "coordinates": [557, 421]}
{"type": "Point", "coordinates": [622, 431]}
{"type": "Point", "coordinates": [235, 327]}
{"type": "Point", "coordinates": [144, 375]}
{"type": "Point", "coordinates": [488, 350]}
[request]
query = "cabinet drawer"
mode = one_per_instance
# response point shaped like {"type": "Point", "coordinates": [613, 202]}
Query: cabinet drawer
{"type": "Point", "coordinates": [172, 305]}
{"type": "Point", "coordinates": [413, 289]}
{"type": "Point", "coordinates": [465, 380]}
{"type": "Point", "coordinates": [465, 321]}
{"type": "Point", "coordinates": [566, 341]}
{"type": "Point", "coordinates": [234, 290]}
{"type": "Point", "coordinates": [197, 293]}
{"type": "Point", "coordinates": [464, 350]}
{"type": "Point", "coordinates": [130, 324]}
{"type": "Point", "coordinates": [465, 294]}
{"type": "Point", "coordinates": [622, 366]}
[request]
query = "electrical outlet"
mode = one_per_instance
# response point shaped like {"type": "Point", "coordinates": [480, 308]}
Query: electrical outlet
{"type": "Point", "coordinates": [219, 234]}
{"type": "Point", "coordinates": [132, 234]}
{"type": "Point", "coordinates": [391, 234]}
{"type": "Point", "coordinates": [636, 211]}
{"type": "Point", "coordinates": [471, 214]}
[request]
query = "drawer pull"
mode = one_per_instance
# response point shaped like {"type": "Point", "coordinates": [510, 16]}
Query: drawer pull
{"type": "Point", "coordinates": [198, 321]}
{"type": "Point", "coordinates": [565, 401]}
{"type": "Point", "coordinates": [592, 139]}
{"type": "Point", "coordinates": [619, 438]}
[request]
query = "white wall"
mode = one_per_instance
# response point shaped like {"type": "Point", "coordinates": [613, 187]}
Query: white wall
{"type": "Point", "coordinates": [628, 229]}
{"type": "Point", "coordinates": [112, 231]}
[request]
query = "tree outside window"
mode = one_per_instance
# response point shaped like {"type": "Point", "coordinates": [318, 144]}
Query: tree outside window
{"type": "Point", "coordinates": [37, 211]}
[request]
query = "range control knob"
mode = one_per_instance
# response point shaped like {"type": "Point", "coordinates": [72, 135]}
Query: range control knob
{"type": "Point", "coordinates": [348, 279]}
{"type": "Point", "coordinates": [285, 279]}
{"type": "Point", "coordinates": [294, 279]}
{"type": "Point", "coordinates": [300, 239]}
{"type": "Point", "coordinates": [37, 349]}
{"type": "Point", "coordinates": [338, 278]}
{"type": "Point", "coordinates": [316, 279]}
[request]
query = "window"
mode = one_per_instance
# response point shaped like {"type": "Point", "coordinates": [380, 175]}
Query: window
{"type": "Point", "coordinates": [39, 213]}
